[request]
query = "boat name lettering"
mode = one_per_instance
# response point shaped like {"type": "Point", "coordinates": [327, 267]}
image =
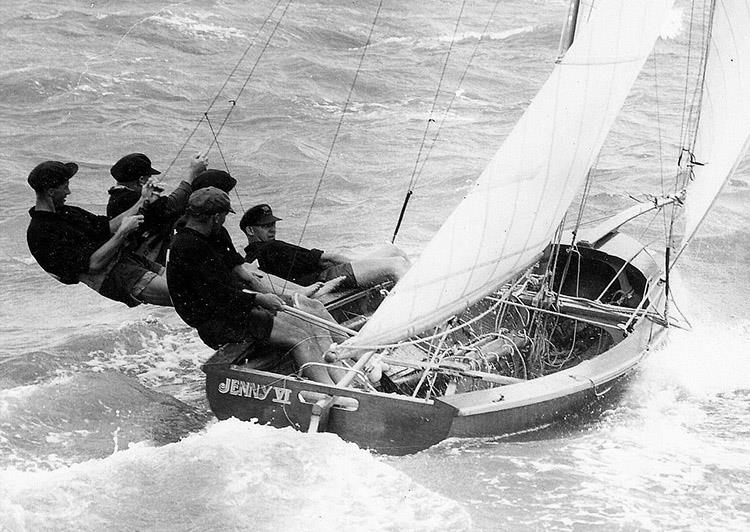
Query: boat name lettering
{"type": "Point", "coordinates": [255, 390]}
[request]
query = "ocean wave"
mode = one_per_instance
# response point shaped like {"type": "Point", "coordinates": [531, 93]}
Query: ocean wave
{"type": "Point", "coordinates": [197, 25]}
{"type": "Point", "coordinates": [234, 475]}
{"type": "Point", "coordinates": [491, 36]}
{"type": "Point", "coordinates": [49, 84]}
{"type": "Point", "coordinates": [36, 83]}
{"type": "Point", "coordinates": [78, 416]}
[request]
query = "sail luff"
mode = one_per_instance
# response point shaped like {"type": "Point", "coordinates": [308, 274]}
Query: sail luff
{"type": "Point", "coordinates": [723, 130]}
{"type": "Point", "coordinates": [541, 165]}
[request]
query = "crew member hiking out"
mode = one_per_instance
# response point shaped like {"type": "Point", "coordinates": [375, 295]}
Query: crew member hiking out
{"type": "Point", "coordinates": [303, 266]}
{"type": "Point", "coordinates": [132, 172]}
{"type": "Point", "coordinates": [208, 279]}
{"type": "Point", "coordinates": [75, 245]}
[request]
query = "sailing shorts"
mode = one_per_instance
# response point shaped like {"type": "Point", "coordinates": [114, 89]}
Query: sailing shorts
{"type": "Point", "coordinates": [129, 277]}
{"type": "Point", "coordinates": [252, 325]}
{"type": "Point", "coordinates": [340, 270]}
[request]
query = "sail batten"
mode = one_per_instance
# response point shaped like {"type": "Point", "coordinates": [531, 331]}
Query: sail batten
{"type": "Point", "coordinates": [512, 212]}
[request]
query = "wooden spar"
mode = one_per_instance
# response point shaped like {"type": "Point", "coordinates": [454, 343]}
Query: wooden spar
{"type": "Point", "coordinates": [591, 237]}
{"type": "Point", "coordinates": [584, 310]}
{"type": "Point", "coordinates": [356, 368]}
{"type": "Point", "coordinates": [426, 366]}
{"type": "Point", "coordinates": [317, 320]}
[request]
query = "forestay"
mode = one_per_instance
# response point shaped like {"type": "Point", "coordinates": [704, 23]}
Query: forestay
{"type": "Point", "coordinates": [514, 208]}
{"type": "Point", "coordinates": [723, 131]}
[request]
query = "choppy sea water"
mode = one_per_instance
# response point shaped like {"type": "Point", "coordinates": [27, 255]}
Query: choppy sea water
{"type": "Point", "coordinates": [103, 421]}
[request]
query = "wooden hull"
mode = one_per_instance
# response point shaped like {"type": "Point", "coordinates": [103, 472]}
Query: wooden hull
{"type": "Point", "coordinates": [540, 402]}
{"type": "Point", "coordinates": [394, 424]}
{"type": "Point", "coordinates": [398, 424]}
{"type": "Point", "coordinates": [389, 423]}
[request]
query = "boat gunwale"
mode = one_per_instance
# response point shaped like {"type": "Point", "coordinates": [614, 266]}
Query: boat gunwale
{"type": "Point", "coordinates": [331, 390]}
{"type": "Point", "coordinates": [582, 376]}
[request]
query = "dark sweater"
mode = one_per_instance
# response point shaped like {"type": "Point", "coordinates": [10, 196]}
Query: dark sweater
{"type": "Point", "coordinates": [293, 263]}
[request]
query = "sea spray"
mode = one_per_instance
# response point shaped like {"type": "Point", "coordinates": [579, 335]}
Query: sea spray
{"type": "Point", "coordinates": [232, 476]}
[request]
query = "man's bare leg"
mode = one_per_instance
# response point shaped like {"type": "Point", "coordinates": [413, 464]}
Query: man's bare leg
{"type": "Point", "coordinates": [307, 345]}
{"type": "Point", "coordinates": [270, 284]}
{"type": "Point", "coordinates": [321, 288]}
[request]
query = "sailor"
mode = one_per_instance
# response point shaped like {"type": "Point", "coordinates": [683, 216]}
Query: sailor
{"type": "Point", "coordinates": [159, 212]}
{"type": "Point", "coordinates": [208, 279]}
{"type": "Point", "coordinates": [303, 266]}
{"type": "Point", "coordinates": [75, 245]}
{"type": "Point", "coordinates": [263, 282]}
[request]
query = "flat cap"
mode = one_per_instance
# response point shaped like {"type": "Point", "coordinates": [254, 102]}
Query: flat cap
{"type": "Point", "coordinates": [214, 178]}
{"type": "Point", "coordinates": [258, 215]}
{"type": "Point", "coordinates": [209, 200]}
{"type": "Point", "coordinates": [131, 167]}
{"type": "Point", "coordinates": [50, 174]}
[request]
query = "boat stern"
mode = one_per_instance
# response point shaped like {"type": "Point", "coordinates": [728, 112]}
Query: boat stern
{"type": "Point", "coordinates": [387, 423]}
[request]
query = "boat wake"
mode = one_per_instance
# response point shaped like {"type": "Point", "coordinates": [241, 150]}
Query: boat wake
{"type": "Point", "coordinates": [243, 474]}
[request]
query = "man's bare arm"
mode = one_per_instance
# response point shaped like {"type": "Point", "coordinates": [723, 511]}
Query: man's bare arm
{"type": "Point", "coordinates": [102, 256]}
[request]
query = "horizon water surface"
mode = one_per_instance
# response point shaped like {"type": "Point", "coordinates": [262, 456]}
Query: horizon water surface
{"type": "Point", "coordinates": [103, 420]}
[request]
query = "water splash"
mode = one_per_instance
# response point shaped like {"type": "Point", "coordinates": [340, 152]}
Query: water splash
{"type": "Point", "coordinates": [234, 475]}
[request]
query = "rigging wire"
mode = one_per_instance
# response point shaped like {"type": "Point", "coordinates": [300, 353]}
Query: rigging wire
{"type": "Point", "coordinates": [690, 132]}
{"type": "Point", "coordinates": [204, 116]}
{"type": "Point", "coordinates": [698, 93]}
{"type": "Point", "coordinates": [506, 294]}
{"type": "Point", "coordinates": [660, 148]}
{"type": "Point", "coordinates": [455, 92]}
{"type": "Point", "coordinates": [338, 129]}
{"type": "Point", "coordinates": [252, 70]}
{"type": "Point", "coordinates": [221, 154]}
{"type": "Point", "coordinates": [573, 247]}
{"type": "Point", "coordinates": [688, 135]}
{"type": "Point", "coordinates": [414, 176]}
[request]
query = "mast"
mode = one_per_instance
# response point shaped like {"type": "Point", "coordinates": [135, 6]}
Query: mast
{"type": "Point", "coordinates": [569, 28]}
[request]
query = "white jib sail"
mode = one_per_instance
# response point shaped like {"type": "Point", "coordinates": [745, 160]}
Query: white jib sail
{"type": "Point", "coordinates": [723, 130]}
{"type": "Point", "coordinates": [515, 206]}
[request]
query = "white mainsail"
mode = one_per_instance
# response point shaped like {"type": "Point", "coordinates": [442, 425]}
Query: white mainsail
{"type": "Point", "coordinates": [515, 206]}
{"type": "Point", "coordinates": [723, 131]}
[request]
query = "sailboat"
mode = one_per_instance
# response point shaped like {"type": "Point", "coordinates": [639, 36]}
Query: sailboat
{"type": "Point", "coordinates": [511, 320]}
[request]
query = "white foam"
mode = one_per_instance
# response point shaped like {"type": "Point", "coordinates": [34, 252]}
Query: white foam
{"type": "Point", "coordinates": [493, 36]}
{"type": "Point", "coordinates": [234, 475]}
{"type": "Point", "coordinates": [195, 24]}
